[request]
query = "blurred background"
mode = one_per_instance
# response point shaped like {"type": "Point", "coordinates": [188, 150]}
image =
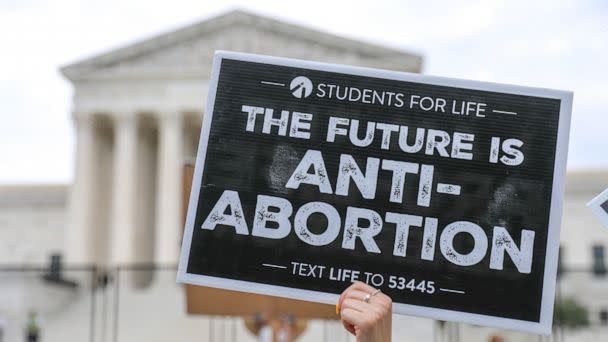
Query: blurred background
{"type": "Point", "coordinates": [101, 105]}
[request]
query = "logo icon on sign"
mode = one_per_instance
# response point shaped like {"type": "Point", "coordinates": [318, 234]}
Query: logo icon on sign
{"type": "Point", "coordinates": [301, 87]}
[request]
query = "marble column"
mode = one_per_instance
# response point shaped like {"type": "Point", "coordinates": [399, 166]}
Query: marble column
{"type": "Point", "coordinates": [79, 242]}
{"type": "Point", "coordinates": [124, 187]}
{"type": "Point", "coordinates": [169, 188]}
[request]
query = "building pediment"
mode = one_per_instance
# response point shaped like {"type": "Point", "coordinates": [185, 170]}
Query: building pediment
{"type": "Point", "coordinates": [187, 52]}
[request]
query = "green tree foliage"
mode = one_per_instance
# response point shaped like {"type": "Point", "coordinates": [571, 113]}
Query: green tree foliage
{"type": "Point", "coordinates": [570, 314]}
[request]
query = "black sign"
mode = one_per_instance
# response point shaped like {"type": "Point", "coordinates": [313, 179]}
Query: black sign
{"type": "Point", "coordinates": [445, 194]}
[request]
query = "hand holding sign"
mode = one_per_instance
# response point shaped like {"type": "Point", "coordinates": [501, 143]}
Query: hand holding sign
{"type": "Point", "coordinates": [366, 313]}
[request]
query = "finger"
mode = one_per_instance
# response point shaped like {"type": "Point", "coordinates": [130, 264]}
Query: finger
{"type": "Point", "coordinates": [385, 300]}
{"type": "Point", "coordinates": [356, 294]}
{"type": "Point", "coordinates": [351, 317]}
{"type": "Point", "coordinates": [343, 296]}
{"type": "Point", "coordinates": [374, 301]}
{"type": "Point", "coordinates": [361, 286]}
{"type": "Point", "coordinates": [379, 298]}
{"type": "Point", "coordinates": [357, 305]}
{"type": "Point", "coordinates": [349, 327]}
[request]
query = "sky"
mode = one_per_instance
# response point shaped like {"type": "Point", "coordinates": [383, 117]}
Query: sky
{"type": "Point", "coordinates": [547, 43]}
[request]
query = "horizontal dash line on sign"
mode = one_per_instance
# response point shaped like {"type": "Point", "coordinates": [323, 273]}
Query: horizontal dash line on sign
{"type": "Point", "coordinates": [449, 189]}
{"type": "Point", "coordinates": [273, 83]}
{"type": "Point", "coordinates": [504, 112]}
{"type": "Point", "coordinates": [451, 291]}
{"type": "Point", "coordinates": [275, 266]}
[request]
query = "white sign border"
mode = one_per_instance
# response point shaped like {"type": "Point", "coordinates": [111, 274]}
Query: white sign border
{"type": "Point", "coordinates": [546, 314]}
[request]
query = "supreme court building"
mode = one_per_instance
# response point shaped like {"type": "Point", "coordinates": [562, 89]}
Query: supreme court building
{"type": "Point", "coordinates": [137, 112]}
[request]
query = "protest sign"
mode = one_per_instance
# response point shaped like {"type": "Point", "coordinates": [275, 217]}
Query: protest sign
{"type": "Point", "coordinates": [445, 194]}
{"type": "Point", "coordinates": [599, 207]}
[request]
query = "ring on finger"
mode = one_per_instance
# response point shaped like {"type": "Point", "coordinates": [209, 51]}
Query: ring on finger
{"type": "Point", "coordinates": [369, 296]}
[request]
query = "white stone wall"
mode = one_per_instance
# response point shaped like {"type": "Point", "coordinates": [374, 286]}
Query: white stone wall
{"type": "Point", "coordinates": [32, 223]}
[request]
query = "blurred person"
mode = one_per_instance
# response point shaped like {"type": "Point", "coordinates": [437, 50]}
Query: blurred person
{"type": "Point", "coordinates": [287, 331]}
{"type": "Point", "coordinates": [366, 313]}
{"type": "Point", "coordinates": [496, 338]}
{"type": "Point", "coordinates": [32, 329]}
{"type": "Point", "coordinates": [263, 328]}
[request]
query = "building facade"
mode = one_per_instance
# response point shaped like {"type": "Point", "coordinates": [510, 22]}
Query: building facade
{"type": "Point", "coordinates": [138, 111]}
